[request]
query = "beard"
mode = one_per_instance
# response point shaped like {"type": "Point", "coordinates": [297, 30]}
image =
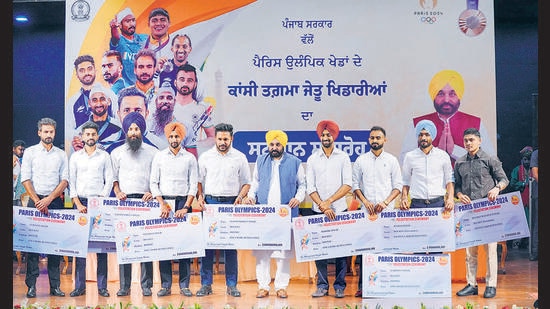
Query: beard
{"type": "Point", "coordinates": [91, 142]}
{"type": "Point", "coordinates": [134, 143]}
{"type": "Point", "coordinates": [275, 153]}
{"type": "Point", "coordinates": [47, 140]}
{"type": "Point", "coordinates": [376, 146]}
{"type": "Point", "coordinates": [161, 119]}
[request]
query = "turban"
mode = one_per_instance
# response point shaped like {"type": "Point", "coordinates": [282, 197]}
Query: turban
{"type": "Point", "coordinates": [329, 125]}
{"type": "Point", "coordinates": [175, 126]}
{"type": "Point", "coordinates": [133, 117]}
{"type": "Point", "coordinates": [165, 87]}
{"type": "Point", "coordinates": [99, 88]}
{"type": "Point", "coordinates": [444, 77]}
{"type": "Point", "coordinates": [526, 151]}
{"type": "Point", "coordinates": [427, 125]}
{"type": "Point", "coordinates": [276, 134]}
{"type": "Point", "coordinates": [120, 16]}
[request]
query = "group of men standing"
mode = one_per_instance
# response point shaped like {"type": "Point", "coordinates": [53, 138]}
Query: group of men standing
{"type": "Point", "coordinates": [221, 175]}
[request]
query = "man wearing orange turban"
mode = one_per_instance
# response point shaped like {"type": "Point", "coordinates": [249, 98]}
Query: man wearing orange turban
{"type": "Point", "coordinates": [278, 178]}
{"type": "Point", "coordinates": [328, 181]}
{"type": "Point", "coordinates": [446, 90]}
{"type": "Point", "coordinates": [174, 177]}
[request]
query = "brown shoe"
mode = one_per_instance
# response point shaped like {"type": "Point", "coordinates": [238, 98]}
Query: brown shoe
{"type": "Point", "coordinates": [262, 293]}
{"type": "Point", "coordinates": [281, 293]}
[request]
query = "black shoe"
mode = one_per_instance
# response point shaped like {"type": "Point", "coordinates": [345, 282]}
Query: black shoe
{"type": "Point", "coordinates": [339, 293]}
{"type": "Point", "coordinates": [123, 292]}
{"type": "Point", "coordinates": [204, 290]}
{"type": "Point", "coordinates": [77, 292]}
{"type": "Point", "coordinates": [490, 292]}
{"type": "Point", "coordinates": [533, 257]}
{"type": "Point", "coordinates": [164, 292]}
{"type": "Point", "coordinates": [103, 292]}
{"type": "Point", "coordinates": [186, 292]}
{"type": "Point", "coordinates": [146, 292]}
{"type": "Point", "coordinates": [31, 293]}
{"type": "Point", "coordinates": [232, 290]}
{"type": "Point", "coordinates": [467, 291]}
{"type": "Point", "coordinates": [57, 292]}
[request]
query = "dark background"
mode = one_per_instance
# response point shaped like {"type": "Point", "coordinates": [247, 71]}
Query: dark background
{"type": "Point", "coordinates": [38, 73]}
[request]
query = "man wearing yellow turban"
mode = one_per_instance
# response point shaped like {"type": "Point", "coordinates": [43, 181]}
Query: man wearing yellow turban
{"type": "Point", "coordinates": [446, 90]}
{"type": "Point", "coordinates": [278, 178]}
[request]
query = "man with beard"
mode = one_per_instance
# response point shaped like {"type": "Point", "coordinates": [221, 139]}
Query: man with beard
{"type": "Point", "coordinates": [131, 174]}
{"type": "Point", "coordinates": [194, 114]}
{"type": "Point", "coordinates": [111, 67]}
{"type": "Point", "coordinates": [78, 110]}
{"type": "Point", "coordinates": [224, 178]}
{"type": "Point", "coordinates": [166, 70]}
{"type": "Point", "coordinates": [45, 175]}
{"type": "Point", "coordinates": [163, 115]}
{"type": "Point", "coordinates": [427, 173]}
{"type": "Point", "coordinates": [131, 99]}
{"type": "Point", "coordinates": [109, 130]}
{"type": "Point", "coordinates": [90, 175]}
{"type": "Point", "coordinates": [446, 90]}
{"type": "Point", "coordinates": [174, 175]}
{"type": "Point", "coordinates": [126, 41]}
{"type": "Point", "coordinates": [144, 68]}
{"type": "Point", "coordinates": [329, 180]}
{"type": "Point", "coordinates": [376, 181]}
{"type": "Point", "coordinates": [278, 178]}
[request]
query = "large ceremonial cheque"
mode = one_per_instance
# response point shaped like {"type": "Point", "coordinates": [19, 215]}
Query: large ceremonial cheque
{"type": "Point", "coordinates": [316, 237]}
{"type": "Point", "coordinates": [104, 211]}
{"type": "Point", "coordinates": [415, 230]}
{"type": "Point", "coordinates": [483, 221]}
{"type": "Point", "coordinates": [67, 231]}
{"type": "Point", "coordinates": [261, 226]}
{"type": "Point", "coordinates": [406, 275]}
{"type": "Point", "coordinates": [151, 238]}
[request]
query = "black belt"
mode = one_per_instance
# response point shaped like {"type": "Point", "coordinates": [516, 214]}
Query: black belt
{"type": "Point", "coordinates": [134, 195]}
{"type": "Point", "coordinates": [223, 199]}
{"type": "Point", "coordinates": [427, 201]}
{"type": "Point", "coordinates": [173, 197]}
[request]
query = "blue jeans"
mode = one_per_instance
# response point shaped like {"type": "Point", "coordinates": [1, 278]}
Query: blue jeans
{"type": "Point", "coordinates": [341, 264]}
{"type": "Point", "coordinates": [229, 258]}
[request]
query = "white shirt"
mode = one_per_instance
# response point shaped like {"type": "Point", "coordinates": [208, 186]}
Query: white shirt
{"type": "Point", "coordinates": [131, 169]}
{"type": "Point", "coordinates": [327, 175]}
{"type": "Point", "coordinates": [90, 175]}
{"type": "Point", "coordinates": [46, 169]}
{"type": "Point", "coordinates": [427, 175]}
{"type": "Point", "coordinates": [174, 174]}
{"type": "Point", "coordinates": [376, 176]}
{"type": "Point", "coordinates": [223, 175]}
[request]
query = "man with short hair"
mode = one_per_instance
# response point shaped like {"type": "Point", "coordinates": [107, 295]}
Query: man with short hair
{"type": "Point", "coordinates": [131, 175]}
{"type": "Point", "coordinates": [159, 38]}
{"type": "Point", "coordinates": [111, 68]}
{"type": "Point", "coordinates": [90, 175]}
{"type": "Point", "coordinates": [45, 175]}
{"type": "Point", "coordinates": [479, 175]}
{"type": "Point", "coordinates": [224, 178]}
{"type": "Point", "coordinates": [174, 174]}
{"type": "Point", "coordinates": [195, 114]}
{"type": "Point", "coordinates": [377, 181]}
